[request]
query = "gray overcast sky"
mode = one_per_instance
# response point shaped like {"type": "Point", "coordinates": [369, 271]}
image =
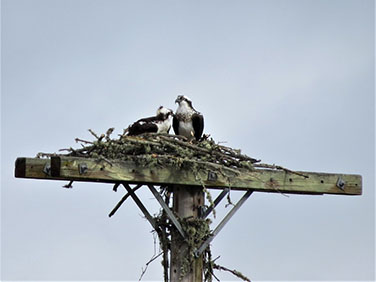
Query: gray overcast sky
{"type": "Point", "coordinates": [289, 82]}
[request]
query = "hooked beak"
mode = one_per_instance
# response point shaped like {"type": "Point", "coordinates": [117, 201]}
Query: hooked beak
{"type": "Point", "coordinates": [179, 99]}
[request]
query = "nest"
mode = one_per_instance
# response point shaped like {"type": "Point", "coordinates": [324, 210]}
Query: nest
{"type": "Point", "coordinates": [163, 148]}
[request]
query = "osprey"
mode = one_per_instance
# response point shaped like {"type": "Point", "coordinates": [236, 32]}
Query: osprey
{"type": "Point", "coordinates": [161, 123]}
{"type": "Point", "coordinates": [187, 121]}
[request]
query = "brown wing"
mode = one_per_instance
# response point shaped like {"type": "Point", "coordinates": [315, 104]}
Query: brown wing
{"type": "Point", "coordinates": [141, 127]}
{"type": "Point", "coordinates": [198, 125]}
{"type": "Point", "coordinates": [175, 125]}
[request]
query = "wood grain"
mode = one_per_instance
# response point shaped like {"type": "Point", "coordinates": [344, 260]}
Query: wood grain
{"type": "Point", "coordinates": [262, 180]}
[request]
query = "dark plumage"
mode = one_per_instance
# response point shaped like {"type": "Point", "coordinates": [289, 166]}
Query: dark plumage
{"type": "Point", "coordinates": [161, 123]}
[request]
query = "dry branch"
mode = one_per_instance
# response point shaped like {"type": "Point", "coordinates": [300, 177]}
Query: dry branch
{"type": "Point", "coordinates": [234, 272]}
{"type": "Point", "coordinates": [278, 167]}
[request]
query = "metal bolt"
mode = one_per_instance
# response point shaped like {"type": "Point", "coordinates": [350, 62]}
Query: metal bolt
{"type": "Point", "coordinates": [201, 210]}
{"type": "Point", "coordinates": [82, 168]}
{"type": "Point", "coordinates": [212, 176]}
{"type": "Point", "coordinates": [47, 169]}
{"type": "Point", "coordinates": [341, 183]}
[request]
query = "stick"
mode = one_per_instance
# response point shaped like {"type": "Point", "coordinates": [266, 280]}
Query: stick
{"type": "Point", "coordinates": [234, 272]}
{"type": "Point", "coordinates": [236, 154]}
{"type": "Point", "coordinates": [149, 262]}
{"type": "Point", "coordinates": [207, 151]}
{"type": "Point", "coordinates": [83, 141]}
{"type": "Point", "coordinates": [109, 132]}
{"type": "Point", "coordinates": [96, 136]}
{"type": "Point", "coordinates": [281, 168]}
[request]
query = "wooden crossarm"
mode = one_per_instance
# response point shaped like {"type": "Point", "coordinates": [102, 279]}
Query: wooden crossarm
{"type": "Point", "coordinates": [212, 176]}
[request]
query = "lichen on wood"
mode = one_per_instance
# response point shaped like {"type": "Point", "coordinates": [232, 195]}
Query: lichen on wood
{"type": "Point", "coordinates": [197, 230]}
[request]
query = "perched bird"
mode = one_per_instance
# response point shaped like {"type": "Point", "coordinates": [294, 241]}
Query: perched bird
{"type": "Point", "coordinates": [161, 123]}
{"type": "Point", "coordinates": [187, 121]}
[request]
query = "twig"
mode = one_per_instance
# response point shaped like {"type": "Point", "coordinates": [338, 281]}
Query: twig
{"type": "Point", "coordinates": [280, 168]}
{"type": "Point", "coordinates": [216, 278]}
{"type": "Point", "coordinates": [229, 202]}
{"type": "Point", "coordinates": [109, 132]}
{"type": "Point", "coordinates": [67, 149]}
{"type": "Point", "coordinates": [234, 272]}
{"type": "Point", "coordinates": [139, 141]}
{"type": "Point", "coordinates": [95, 135]}
{"type": "Point", "coordinates": [171, 136]}
{"type": "Point", "coordinates": [236, 154]}
{"type": "Point", "coordinates": [214, 260]}
{"type": "Point", "coordinates": [83, 141]}
{"type": "Point", "coordinates": [197, 149]}
{"type": "Point", "coordinates": [149, 262]}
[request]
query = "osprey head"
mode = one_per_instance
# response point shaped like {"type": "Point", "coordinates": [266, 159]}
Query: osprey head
{"type": "Point", "coordinates": [185, 100]}
{"type": "Point", "coordinates": [164, 112]}
{"type": "Point", "coordinates": [182, 98]}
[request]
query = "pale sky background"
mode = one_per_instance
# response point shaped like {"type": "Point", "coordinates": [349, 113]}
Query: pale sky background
{"type": "Point", "coordinates": [289, 82]}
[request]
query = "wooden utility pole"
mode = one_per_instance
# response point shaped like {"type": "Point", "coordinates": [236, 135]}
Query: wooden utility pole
{"type": "Point", "coordinates": [187, 203]}
{"type": "Point", "coordinates": [188, 196]}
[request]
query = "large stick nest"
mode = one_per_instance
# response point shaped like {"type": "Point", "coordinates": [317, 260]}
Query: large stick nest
{"type": "Point", "coordinates": [164, 147]}
{"type": "Point", "coordinates": [150, 148]}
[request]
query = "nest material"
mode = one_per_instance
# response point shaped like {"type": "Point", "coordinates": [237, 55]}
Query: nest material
{"type": "Point", "coordinates": [159, 149]}
{"type": "Point", "coordinates": [163, 148]}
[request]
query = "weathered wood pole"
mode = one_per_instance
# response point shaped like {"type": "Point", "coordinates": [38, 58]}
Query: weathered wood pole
{"type": "Point", "coordinates": [187, 201]}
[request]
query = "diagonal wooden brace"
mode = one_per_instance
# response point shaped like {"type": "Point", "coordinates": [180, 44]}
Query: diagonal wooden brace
{"type": "Point", "coordinates": [168, 211]}
{"type": "Point", "coordinates": [216, 202]}
{"type": "Point", "coordinates": [114, 210]}
{"type": "Point", "coordinates": [204, 245]}
{"type": "Point", "coordinates": [140, 205]}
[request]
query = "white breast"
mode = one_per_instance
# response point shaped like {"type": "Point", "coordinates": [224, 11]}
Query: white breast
{"type": "Point", "coordinates": [184, 110]}
{"type": "Point", "coordinates": [164, 126]}
{"type": "Point", "coordinates": [186, 129]}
